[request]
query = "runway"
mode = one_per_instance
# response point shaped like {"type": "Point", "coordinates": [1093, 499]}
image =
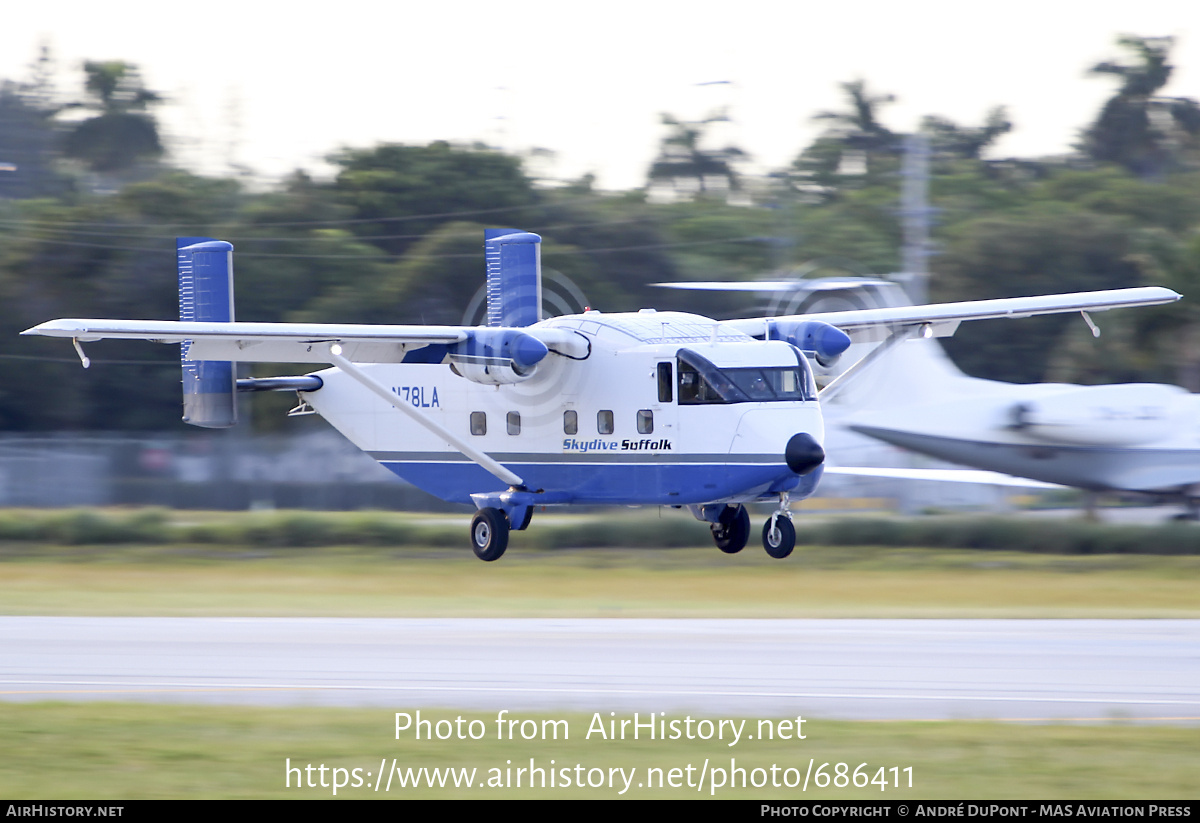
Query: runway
{"type": "Point", "coordinates": [848, 669]}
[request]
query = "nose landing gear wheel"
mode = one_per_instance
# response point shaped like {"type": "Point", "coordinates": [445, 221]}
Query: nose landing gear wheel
{"type": "Point", "coordinates": [779, 537]}
{"type": "Point", "coordinates": [489, 533]}
{"type": "Point", "coordinates": [732, 531]}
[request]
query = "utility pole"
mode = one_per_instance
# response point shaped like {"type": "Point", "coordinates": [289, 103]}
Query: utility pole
{"type": "Point", "coordinates": [914, 212]}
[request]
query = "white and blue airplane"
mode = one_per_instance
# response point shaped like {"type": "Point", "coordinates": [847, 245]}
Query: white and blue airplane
{"type": "Point", "coordinates": [644, 408]}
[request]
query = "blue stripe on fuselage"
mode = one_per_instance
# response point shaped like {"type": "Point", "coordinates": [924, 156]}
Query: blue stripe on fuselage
{"type": "Point", "coordinates": [590, 483]}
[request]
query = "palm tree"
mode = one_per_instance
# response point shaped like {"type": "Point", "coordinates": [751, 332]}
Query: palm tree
{"type": "Point", "coordinates": [859, 127]}
{"type": "Point", "coordinates": [855, 134]}
{"type": "Point", "coordinates": [952, 140]}
{"type": "Point", "coordinates": [1137, 128]}
{"type": "Point", "coordinates": [122, 132]}
{"type": "Point", "coordinates": [682, 157]}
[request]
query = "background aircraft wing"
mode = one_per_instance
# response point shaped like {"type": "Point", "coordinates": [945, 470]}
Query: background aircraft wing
{"type": "Point", "coordinates": [978, 476]}
{"type": "Point", "coordinates": [942, 319]}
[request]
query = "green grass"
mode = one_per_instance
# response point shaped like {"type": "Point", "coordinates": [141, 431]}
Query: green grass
{"type": "Point", "coordinates": [118, 751]}
{"type": "Point", "coordinates": [85, 563]}
{"type": "Point", "coordinates": [425, 581]}
{"type": "Point", "coordinates": [662, 528]}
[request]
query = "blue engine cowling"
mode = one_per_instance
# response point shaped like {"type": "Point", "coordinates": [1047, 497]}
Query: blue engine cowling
{"type": "Point", "coordinates": [497, 356]}
{"type": "Point", "coordinates": [825, 341]}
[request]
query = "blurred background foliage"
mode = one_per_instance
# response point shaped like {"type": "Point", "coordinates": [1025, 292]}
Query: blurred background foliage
{"type": "Point", "coordinates": [90, 202]}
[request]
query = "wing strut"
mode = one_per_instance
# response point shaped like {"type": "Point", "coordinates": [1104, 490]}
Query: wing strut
{"type": "Point", "coordinates": [845, 378]}
{"type": "Point", "coordinates": [335, 357]}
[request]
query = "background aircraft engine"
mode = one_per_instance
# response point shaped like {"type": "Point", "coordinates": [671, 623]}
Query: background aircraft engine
{"type": "Point", "coordinates": [823, 340]}
{"type": "Point", "coordinates": [497, 356]}
{"type": "Point", "coordinates": [1129, 414]}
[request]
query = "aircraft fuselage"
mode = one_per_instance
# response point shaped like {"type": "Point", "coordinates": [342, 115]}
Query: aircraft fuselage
{"type": "Point", "coordinates": [629, 422]}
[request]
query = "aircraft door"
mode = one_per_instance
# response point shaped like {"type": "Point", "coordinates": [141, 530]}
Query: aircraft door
{"type": "Point", "coordinates": [661, 417]}
{"type": "Point", "coordinates": [658, 429]}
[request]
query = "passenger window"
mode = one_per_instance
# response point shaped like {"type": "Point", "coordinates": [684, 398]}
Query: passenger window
{"type": "Point", "coordinates": [604, 422]}
{"type": "Point", "coordinates": [514, 422]}
{"type": "Point", "coordinates": [570, 422]}
{"type": "Point", "coordinates": [665, 383]}
{"type": "Point", "coordinates": [478, 423]}
{"type": "Point", "coordinates": [645, 422]}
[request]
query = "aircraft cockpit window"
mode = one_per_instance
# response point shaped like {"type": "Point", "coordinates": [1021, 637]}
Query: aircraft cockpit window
{"type": "Point", "coordinates": [702, 382]}
{"type": "Point", "coordinates": [645, 421]}
{"type": "Point", "coordinates": [770, 384]}
{"type": "Point", "coordinates": [604, 422]}
{"type": "Point", "coordinates": [478, 423]}
{"type": "Point", "coordinates": [514, 422]}
{"type": "Point", "coordinates": [570, 422]}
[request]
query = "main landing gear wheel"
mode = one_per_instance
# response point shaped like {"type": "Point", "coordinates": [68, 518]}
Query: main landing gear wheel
{"type": "Point", "coordinates": [779, 537]}
{"type": "Point", "coordinates": [732, 531]}
{"type": "Point", "coordinates": [489, 533]}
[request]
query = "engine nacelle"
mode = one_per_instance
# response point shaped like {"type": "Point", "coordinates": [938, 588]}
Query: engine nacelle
{"type": "Point", "coordinates": [825, 341]}
{"type": "Point", "coordinates": [497, 356]}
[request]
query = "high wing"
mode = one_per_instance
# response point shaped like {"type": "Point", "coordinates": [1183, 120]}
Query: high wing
{"type": "Point", "coordinates": [287, 342]}
{"type": "Point", "coordinates": [942, 319]}
{"type": "Point", "coordinates": [301, 342]}
{"type": "Point", "coordinates": [975, 476]}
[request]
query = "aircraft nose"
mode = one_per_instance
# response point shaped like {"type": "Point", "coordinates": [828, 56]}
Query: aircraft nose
{"type": "Point", "coordinates": [803, 453]}
{"type": "Point", "coordinates": [527, 351]}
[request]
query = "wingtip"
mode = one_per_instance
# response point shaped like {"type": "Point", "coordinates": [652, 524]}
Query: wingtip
{"type": "Point", "coordinates": [57, 328]}
{"type": "Point", "coordinates": [1165, 294]}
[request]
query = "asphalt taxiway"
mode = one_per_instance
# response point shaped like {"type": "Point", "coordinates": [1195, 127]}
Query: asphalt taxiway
{"type": "Point", "coordinates": [853, 669]}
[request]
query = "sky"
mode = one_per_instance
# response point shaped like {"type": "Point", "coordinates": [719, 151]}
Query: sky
{"type": "Point", "coordinates": [277, 86]}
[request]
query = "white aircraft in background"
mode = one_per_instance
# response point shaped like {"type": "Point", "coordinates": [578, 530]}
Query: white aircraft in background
{"type": "Point", "coordinates": [644, 408]}
{"type": "Point", "coordinates": [1141, 438]}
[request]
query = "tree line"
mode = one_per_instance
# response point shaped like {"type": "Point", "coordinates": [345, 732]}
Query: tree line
{"type": "Point", "coordinates": [91, 203]}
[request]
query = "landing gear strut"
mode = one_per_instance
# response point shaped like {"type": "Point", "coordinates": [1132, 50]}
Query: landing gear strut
{"type": "Point", "coordinates": [731, 532]}
{"type": "Point", "coordinates": [779, 535]}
